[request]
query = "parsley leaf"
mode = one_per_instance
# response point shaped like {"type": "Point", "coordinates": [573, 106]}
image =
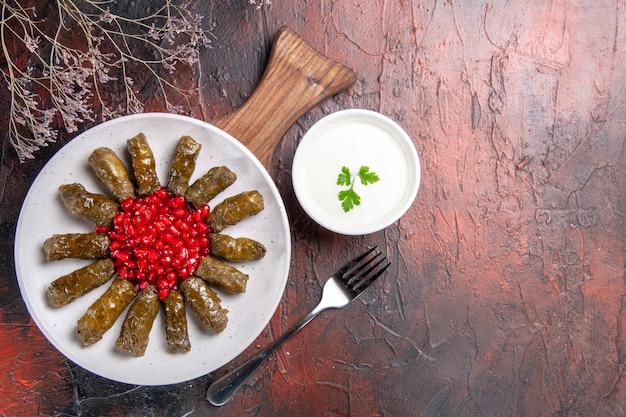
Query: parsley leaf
{"type": "Point", "coordinates": [367, 176]}
{"type": "Point", "coordinates": [349, 198]}
{"type": "Point", "coordinates": [344, 177]}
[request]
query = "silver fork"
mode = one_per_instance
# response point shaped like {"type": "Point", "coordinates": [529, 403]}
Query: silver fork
{"type": "Point", "coordinates": [344, 286]}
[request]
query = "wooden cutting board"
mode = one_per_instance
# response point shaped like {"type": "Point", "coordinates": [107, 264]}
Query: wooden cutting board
{"type": "Point", "coordinates": [297, 78]}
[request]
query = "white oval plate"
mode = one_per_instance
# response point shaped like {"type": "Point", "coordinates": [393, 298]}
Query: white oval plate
{"type": "Point", "coordinates": [43, 215]}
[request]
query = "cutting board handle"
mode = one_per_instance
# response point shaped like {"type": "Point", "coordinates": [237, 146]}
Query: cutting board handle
{"type": "Point", "coordinates": [297, 77]}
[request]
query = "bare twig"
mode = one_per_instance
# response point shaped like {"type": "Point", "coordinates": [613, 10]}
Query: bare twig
{"type": "Point", "coordinates": [66, 81]}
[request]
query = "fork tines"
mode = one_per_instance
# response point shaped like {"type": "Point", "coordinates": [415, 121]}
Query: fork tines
{"type": "Point", "coordinates": [359, 273]}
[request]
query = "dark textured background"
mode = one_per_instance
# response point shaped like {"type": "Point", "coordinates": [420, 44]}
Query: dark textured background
{"type": "Point", "coordinates": [507, 292]}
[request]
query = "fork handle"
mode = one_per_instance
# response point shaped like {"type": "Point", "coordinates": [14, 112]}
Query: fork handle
{"type": "Point", "coordinates": [221, 390]}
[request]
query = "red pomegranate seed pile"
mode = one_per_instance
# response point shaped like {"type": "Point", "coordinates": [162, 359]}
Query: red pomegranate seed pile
{"type": "Point", "coordinates": [158, 240]}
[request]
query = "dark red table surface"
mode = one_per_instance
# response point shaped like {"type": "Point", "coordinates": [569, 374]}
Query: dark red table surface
{"type": "Point", "coordinates": [507, 292]}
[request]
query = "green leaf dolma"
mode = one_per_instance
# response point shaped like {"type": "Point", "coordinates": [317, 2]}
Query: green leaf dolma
{"type": "Point", "coordinates": [135, 332]}
{"type": "Point", "coordinates": [96, 208]}
{"type": "Point", "coordinates": [241, 249]}
{"type": "Point", "coordinates": [221, 275]}
{"type": "Point", "coordinates": [76, 246]}
{"type": "Point", "coordinates": [112, 173]}
{"type": "Point", "coordinates": [68, 287]}
{"type": "Point", "coordinates": [205, 304]}
{"type": "Point", "coordinates": [176, 331]}
{"type": "Point", "coordinates": [144, 165]}
{"type": "Point", "coordinates": [235, 209]}
{"type": "Point", "coordinates": [205, 188]}
{"type": "Point", "coordinates": [101, 315]}
{"type": "Point", "coordinates": [182, 165]}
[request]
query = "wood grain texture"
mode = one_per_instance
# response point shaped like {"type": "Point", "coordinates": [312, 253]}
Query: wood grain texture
{"type": "Point", "coordinates": [507, 293]}
{"type": "Point", "coordinates": [296, 78]}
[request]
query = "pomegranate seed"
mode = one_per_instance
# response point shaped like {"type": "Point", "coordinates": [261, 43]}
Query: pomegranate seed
{"type": "Point", "coordinates": [130, 230]}
{"type": "Point", "coordinates": [122, 256]}
{"type": "Point", "coordinates": [180, 213]}
{"type": "Point", "coordinates": [102, 229]}
{"type": "Point", "coordinates": [122, 271]}
{"type": "Point", "coordinates": [157, 240]}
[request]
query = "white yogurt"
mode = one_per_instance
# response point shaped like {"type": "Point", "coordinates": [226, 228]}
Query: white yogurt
{"type": "Point", "coordinates": [356, 138]}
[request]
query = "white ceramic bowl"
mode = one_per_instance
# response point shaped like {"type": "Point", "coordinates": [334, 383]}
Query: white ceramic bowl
{"type": "Point", "coordinates": [353, 139]}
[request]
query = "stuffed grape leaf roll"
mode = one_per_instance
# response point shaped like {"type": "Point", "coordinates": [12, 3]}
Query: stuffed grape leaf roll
{"type": "Point", "coordinates": [235, 209]}
{"type": "Point", "coordinates": [205, 188]}
{"type": "Point", "coordinates": [96, 208]}
{"type": "Point", "coordinates": [221, 275]}
{"type": "Point", "coordinates": [182, 165]}
{"type": "Point", "coordinates": [135, 332]}
{"type": "Point", "coordinates": [77, 246]}
{"type": "Point", "coordinates": [68, 287]}
{"type": "Point", "coordinates": [241, 249]}
{"type": "Point", "coordinates": [101, 315]}
{"type": "Point", "coordinates": [112, 173]}
{"type": "Point", "coordinates": [176, 332]}
{"type": "Point", "coordinates": [205, 304]}
{"type": "Point", "coordinates": [144, 165]}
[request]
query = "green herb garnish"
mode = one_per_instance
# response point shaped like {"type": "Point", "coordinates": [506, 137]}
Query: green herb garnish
{"type": "Point", "coordinates": [349, 198]}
